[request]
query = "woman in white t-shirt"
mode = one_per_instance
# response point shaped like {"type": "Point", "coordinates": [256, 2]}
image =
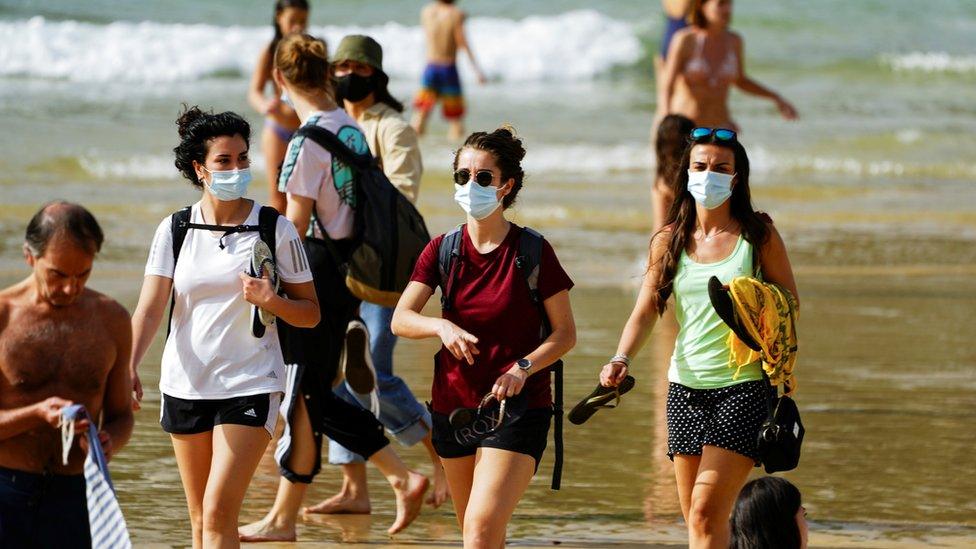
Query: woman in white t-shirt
{"type": "Point", "coordinates": [221, 385]}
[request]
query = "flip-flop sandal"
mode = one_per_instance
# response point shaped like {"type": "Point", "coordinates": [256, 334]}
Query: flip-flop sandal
{"type": "Point", "coordinates": [356, 364]}
{"type": "Point", "coordinates": [722, 303]}
{"type": "Point", "coordinates": [472, 425]}
{"type": "Point", "coordinates": [261, 260]}
{"type": "Point", "coordinates": [601, 397]}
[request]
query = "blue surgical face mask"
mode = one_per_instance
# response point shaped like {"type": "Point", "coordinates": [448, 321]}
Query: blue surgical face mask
{"type": "Point", "coordinates": [286, 99]}
{"type": "Point", "coordinates": [479, 202]}
{"type": "Point", "coordinates": [228, 185]}
{"type": "Point", "coordinates": [710, 189]}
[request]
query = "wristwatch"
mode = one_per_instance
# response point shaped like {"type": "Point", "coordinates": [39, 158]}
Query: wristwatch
{"type": "Point", "coordinates": [524, 364]}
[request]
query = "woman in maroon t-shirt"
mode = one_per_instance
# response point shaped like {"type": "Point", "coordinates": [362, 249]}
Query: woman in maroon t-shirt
{"type": "Point", "coordinates": [491, 338]}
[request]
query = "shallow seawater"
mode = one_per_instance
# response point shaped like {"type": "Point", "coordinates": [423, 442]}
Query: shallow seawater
{"type": "Point", "coordinates": [887, 391]}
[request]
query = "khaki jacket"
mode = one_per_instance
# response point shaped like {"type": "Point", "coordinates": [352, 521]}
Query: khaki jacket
{"type": "Point", "coordinates": [394, 142]}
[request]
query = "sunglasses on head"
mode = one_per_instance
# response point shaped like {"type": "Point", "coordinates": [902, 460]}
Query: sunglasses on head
{"type": "Point", "coordinates": [481, 177]}
{"type": "Point", "coordinates": [721, 134]}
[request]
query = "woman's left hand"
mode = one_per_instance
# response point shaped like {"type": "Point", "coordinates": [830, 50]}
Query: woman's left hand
{"type": "Point", "coordinates": [509, 384]}
{"type": "Point", "coordinates": [258, 291]}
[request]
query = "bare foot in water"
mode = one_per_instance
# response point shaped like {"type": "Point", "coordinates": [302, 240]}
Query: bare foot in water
{"type": "Point", "coordinates": [409, 500]}
{"type": "Point", "coordinates": [440, 493]}
{"type": "Point", "coordinates": [341, 504]}
{"type": "Point", "coordinates": [266, 530]}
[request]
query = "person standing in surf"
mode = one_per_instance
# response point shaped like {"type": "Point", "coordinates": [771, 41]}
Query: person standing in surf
{"type": "Point", "coordinates": [361, 86]}
{"type": "Point", "coordinates": [221, 384]}
{"type": "Point", "coordinates": [490, 330]}
{"type": "Point", "coordinates": [280, 120]}
{"type": "Point", "coordinates": [443, 26]}
{"type": "Point", "coordinates": [704, 61]}
{"type": "Point", "coordinates": [672, 139]}
{"type": "Point", "coordinates": [321, 199]}
{"type": "Point", "coordinates": [675, 19]}
{"type": "Point", "coordinates": [714, 410]}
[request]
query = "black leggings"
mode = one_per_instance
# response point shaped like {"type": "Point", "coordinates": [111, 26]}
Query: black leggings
{"type": "Point", "coordinates": [314, 354]}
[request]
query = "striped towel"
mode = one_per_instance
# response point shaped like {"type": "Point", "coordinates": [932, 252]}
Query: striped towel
{"type": "Point", "coordinates": [105, 518]}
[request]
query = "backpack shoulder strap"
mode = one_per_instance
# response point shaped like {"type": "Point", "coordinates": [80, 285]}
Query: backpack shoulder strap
{"type": "Point", "coordinates": [529, 258]}
{"type": "Point", "coordinates": [448, 255]}
{"type": "Point", "coordinates": [528, 261]}
{"type": "Point", "coordinates": [268, 228]}
{"type": "Point", "coordinates": [179, 224]}
{"type": "Point", "coordinates": [331, 142]}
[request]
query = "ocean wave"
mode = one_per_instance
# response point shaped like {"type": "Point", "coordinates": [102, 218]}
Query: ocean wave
{"type": "Point", "coordinates": [582, 44]}
{"type": "Point", "coordinates": [931, 62]}
{"type": "Point", "coordinates": [582, 160]}
{"type": "Point", "coordinates": [762, 161]}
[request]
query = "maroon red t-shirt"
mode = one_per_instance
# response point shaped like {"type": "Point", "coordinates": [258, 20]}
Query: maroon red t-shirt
{"type": "Point", "coordinates": [491, 301]}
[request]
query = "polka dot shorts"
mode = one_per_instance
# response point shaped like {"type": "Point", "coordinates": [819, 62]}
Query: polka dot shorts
{"type": "Point", "coordinates": [729, 418]}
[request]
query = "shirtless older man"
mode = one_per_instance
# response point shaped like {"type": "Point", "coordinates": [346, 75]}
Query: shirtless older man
{"type": "Point", "coordinates": [60, 343]}
{"type": "Point", "coordinates": [443, 26]}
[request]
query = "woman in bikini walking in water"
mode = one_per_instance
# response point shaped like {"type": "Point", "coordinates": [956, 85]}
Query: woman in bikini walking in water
{"type": "Point", "coordinates": [280, 119]}
{"type": "Point", "coordinates": [704, 61]}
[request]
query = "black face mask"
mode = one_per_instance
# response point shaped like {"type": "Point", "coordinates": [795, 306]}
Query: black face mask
{"type": "Point", "coordinates": [353, 87]}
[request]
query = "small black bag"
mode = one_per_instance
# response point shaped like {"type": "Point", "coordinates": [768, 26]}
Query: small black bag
{"type": "Point", "coordinates": [781, 434]}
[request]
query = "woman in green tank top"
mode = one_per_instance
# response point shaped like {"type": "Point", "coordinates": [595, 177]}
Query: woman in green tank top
{"type": "Point", "coordinates": [713, 413]}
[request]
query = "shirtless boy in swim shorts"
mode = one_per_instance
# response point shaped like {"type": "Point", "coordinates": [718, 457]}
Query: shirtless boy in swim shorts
{"type": "Point", "coordinates": [443, 26]}
{"type": "Point", "coordinates": [60, 343]}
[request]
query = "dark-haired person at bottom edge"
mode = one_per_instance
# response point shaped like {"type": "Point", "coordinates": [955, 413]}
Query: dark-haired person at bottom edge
{"type": "Point", "coordinates": [60, 343]}
{"type": "Point", "coordinates": [319, 191]}
{"type": "Point", "coordinates": [714, 411]}
{"type": "Point", "coordinates": [769, 514]}
{"type": "Point", "coordinates": [491, 339]}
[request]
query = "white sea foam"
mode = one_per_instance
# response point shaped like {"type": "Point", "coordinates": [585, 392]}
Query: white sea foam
{"type": "Point", "coordinates": [142, 167]}
{"type": "Point", "coordinates": [588, 159]}
{"type": "Point", "coordinates": [573, 45]}
{"type": "Point", "coordinates": [931, 62]}
{"type": "Point", "coordinates": [582, 160]}
{"type": "Point", "coordinates": [762, 161]}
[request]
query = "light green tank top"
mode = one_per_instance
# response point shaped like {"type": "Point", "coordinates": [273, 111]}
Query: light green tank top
{"type": "Point", "coordinates": [701, 351]}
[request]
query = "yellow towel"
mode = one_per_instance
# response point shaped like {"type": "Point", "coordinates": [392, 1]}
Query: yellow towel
{"type": "Point", "coordinates": [768, 313]}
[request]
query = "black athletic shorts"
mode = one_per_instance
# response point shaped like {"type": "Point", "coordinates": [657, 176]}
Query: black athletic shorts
{"type": "Point", "coordinates": [189, 417]}
{"type": "Point", "coordinates": [729, 418]}
{"type": "Point", "coordinates": [529, 435]}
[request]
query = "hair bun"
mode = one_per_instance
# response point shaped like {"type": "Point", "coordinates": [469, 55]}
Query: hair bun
{"type": "Point", "coordinates": [508, 133]}
{"type": "Point", "coordinates": [187, 119]}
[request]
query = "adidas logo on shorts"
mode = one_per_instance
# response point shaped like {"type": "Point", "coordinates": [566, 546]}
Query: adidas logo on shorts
{"type": "Point", "coordinates": [273, 375]}
{"type": "Point", "coordinates": [251, 413]}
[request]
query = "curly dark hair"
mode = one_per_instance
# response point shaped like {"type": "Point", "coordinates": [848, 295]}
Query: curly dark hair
{"type": "Point", "coordinates": [508, 152]}
{"type": "Point", "coordinates": [196, 128]}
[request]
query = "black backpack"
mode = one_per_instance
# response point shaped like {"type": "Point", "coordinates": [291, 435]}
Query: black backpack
{"type": "Point", "coordinates": [528, 262]}
{"type": "Point", "coordinates": [389, 232]}
{"type": "Point", "coordinates": [180, 225]}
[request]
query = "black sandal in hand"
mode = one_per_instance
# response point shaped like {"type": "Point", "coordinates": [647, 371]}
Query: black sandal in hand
{"type": "Point", "coordinates": [601, 397]}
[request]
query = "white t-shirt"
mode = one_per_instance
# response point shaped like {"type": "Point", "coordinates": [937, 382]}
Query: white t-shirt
{"type": "Point", "coordinates": [211, 352]}
{"type": "Point", "coordinates": [310, 171]}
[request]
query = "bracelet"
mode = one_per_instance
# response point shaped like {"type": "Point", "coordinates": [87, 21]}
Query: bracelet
{"type": "Point", "coordinates": [622, 359]}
